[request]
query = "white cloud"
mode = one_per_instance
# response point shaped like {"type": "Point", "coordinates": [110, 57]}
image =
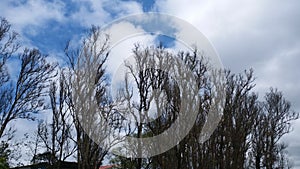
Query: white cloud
{"type": "Point", "coordinates": [31, 16]}
{"type": "Point", "coordinates": [31, 12]}
{"type": "Point", "coordinates": [211, 17]}
{"type": "Point", "coordinates": [123, 8]}
{"type": "Point", "coordinates": [96, 12]}
{"type": "Point", "coordinates": [124, 35]}
{"type": "Point", "coordinates": [90, 13]}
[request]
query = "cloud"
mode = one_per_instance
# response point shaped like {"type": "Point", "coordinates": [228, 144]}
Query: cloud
{"type": "Point", "coordinates": [95, 12]}
{"type": "Point", "coordinates": [31, 12]}
{"type": "Point", "coordinates": [124, 35]}
{"type": "Point", "coordinates": [89, 13]}
{"type": "Point", "coordinates": [30, 17]}
{"type": "Point", "coordinates": [250, 24]}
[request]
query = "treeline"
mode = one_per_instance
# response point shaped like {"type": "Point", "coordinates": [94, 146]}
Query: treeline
{"type": "Point", "coordinates": [248, 135]}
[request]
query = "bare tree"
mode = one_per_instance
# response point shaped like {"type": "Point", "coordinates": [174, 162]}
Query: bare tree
{"type": "Point", "coordinates": [249, 132]}
{"type": "Point", "coordinates": [34, 144]}
{"type": "Point", "coordinates": [8, 46]}
{"type": "Point", "coordinates": [25, 96]}
{"type": "Point", "coordinates": [57, 136]}
{"type": "Point", "coordinates": [157, 93]}
{"type": "Point", "coordinates": [275, 122]}
{"type": "Point", "coordinates": [89, 102]}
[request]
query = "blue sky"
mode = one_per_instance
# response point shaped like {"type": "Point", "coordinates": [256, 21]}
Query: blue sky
{"type": "Point", "coordinates": [70, 23]}
{"type": "Point", "coordinates": [263, 35]}
{"type": "Point", "coordinates": [147, 5]}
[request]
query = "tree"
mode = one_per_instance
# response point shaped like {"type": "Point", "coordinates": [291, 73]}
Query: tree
{"type": "Point", "coordinates": [248, 135]}
{"type": "Point", "coordinates": [230, 143]}
{"type": "Point", "coordinates": [157, 93]}
{"type": "Point", "coordinates": [4, 155]}
{"type": "Point", "coordinates": [57, 136]}
{"type": "Point", "coordinates": [274, 122]}
{"type": "Point", "coordinates": [88, 98]}
{"type": "Point", "coordinates": [34, 144]}
{"type": "Point", "coordinates": [180, 155]}
{"type": "Point", "coordinates": [25, 96]}
{"type": "Point", "coordinates": [149, 74]}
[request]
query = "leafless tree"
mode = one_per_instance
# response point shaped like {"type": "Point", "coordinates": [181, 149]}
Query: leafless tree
{"type": "Point", "coordinates": [274, 122]}
{"type": "Point", "coordinates": [57, 137]}
{"type": "Point", "coordinates": [151, 72]}
{"type": "Point", "coordinates": [25, 96]}
{"type": "Point", "coordinates": [89, 99]}
{"type": "Point", "coordinates": [248, 135]}
{"type": "Point", "coordinates": [34, 144]}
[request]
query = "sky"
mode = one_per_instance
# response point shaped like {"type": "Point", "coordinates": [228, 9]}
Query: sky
{"type": "Point", "coordinates": [259, 34]}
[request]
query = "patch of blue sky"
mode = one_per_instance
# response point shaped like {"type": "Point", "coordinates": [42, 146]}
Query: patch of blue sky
{"type": "Point", "coordinates": [117, 9]}
{"type": "Point", "coordinates": [74, 6]}
{"type": "Point", "coordinates": [112, 8]}
{"type": "Point", "coordinates": [147, 4]}
{"type": "Point", "coordinates": [165, 41]}
{"type": "Point", "coordinates": [55, 35]}
{"type": "Point", "coordinates": [18, 3]}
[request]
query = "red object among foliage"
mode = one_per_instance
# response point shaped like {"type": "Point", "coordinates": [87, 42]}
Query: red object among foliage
{"type": "Point", "coordinates": [106, 167]}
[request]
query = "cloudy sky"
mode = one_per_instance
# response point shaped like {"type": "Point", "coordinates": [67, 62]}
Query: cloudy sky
{"type": "Point", "coordinates": [259, 34]}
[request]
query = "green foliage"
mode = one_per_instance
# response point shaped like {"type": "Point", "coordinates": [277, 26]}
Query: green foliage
{"type": "Point", "coordinates": [4, 154]}
{"type": "Point", "coordinates": [3, 163]}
